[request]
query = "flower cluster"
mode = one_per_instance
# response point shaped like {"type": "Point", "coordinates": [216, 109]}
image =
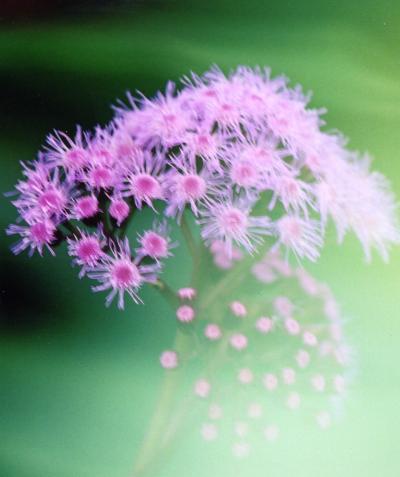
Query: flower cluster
{"type": "Point", "coordinates": [243, 153]}
{"type": "Point", "coordinates": [280, 355]}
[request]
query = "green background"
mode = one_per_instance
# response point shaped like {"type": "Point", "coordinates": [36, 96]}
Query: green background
{"type": "Point", "coordinates": [77, 381]}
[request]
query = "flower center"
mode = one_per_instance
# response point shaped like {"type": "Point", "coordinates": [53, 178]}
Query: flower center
{"type": "Point", "coordinates": [86, 207]}
{"type": "Point", "coordinates": [75, 158]}
{"type": "Point", "coordinates": [145, 185]}
{"type": "Point", "coordinates": [125, 274]}
{"type": "Point", "coordinates": [101, 177]}
{"type": "Point", "coordinates": [41, 233]}
{"type": "Point", "coordinates": [52, 200]}
{"type": "Point", "coordinates": [194, 186]}
{"type": "Point", "coordinates": [233, 221]}
{"type": "Point", "coordinates": [155, 245]}
{"type": "Point", "coordinates": [88, 250]}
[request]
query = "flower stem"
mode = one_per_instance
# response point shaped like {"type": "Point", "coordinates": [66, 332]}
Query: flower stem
{"type": "Point", "coordinates": [190, 241]}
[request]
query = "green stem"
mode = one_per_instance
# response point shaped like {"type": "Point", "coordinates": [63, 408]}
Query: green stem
{"type": "Point", "coordinates": [187, 234]}
{"type": "Point", "coordinates": [155, 434]}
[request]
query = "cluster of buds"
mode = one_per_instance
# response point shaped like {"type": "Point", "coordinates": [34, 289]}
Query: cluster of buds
{"type": "Point", "coordinates": [242, 153]}
{"type": "Point", "coordinates": [278, 354]}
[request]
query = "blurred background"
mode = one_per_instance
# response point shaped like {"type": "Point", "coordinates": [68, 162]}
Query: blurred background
{"type": "Point", "coordinates": [78, 382]}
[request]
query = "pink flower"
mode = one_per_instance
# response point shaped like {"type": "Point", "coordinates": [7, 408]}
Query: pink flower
{"type": "Point", "coordinates": [318, 382]}
{"type": "Point", "coordinates": [231, 223]}
{"type": "Point", "coordinates": [185, 314]}
{"type": "Point", "coordinates": [187, 293]}
{"type": "Point", "coordinates": [293, 400]}
{"type": "Point", "coordinates": [209, 431]}
{"type": "Point", "coordinates": [238, 309]}
{"type": "Point", "coordinates": [87, 250]}
{"type": "Point", "coordinates": [202, 388]}
{"type": "Point", "coordinates": [271, 433]}
{"type": "Point", "coordinates": [283, 306]}
{"type": "Point", "coordinates": [238, 341]}
{"type": "Point", "coordinates": [64, 152]}
{"type": "Point", "coordinates": [212, 332]}
{"type": "Point", "coordinates": [35, 236]}
{"type": "Point", "coordinates": [169, 359]}
{"type": "Point", "coordinates": [120, 274]}
{"type": "Point", "coordinates": [119, 210]}
{"type": "Point", "coordinates": [264, 325]}
{"type": "Point", "coordinates": [155, 243]}
{"type": "Point", "coordinates": [292, 326]}
{"type": "Point", "coordinates": [85, 207]}
{"type": "Point", "coordinates": [303, 358]}
{"type": "Point", "coordinates": [270, 381]}
{"type": "Point", "coordinates": [289, 376]}
{"type": "Point", "coordinates": [245, 376]}
{"type": "Point", "coordinates": [309, 338]}
{"type": "Point", "coordinates": [301, 236]}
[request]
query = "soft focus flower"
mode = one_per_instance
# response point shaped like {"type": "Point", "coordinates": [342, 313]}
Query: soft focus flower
{"type": "Point", "coordinates": [243, 153]}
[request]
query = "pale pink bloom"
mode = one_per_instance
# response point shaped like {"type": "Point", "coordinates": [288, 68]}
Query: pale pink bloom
{"type": "Point", "coordinates": [307, 282]}
{"type": "Point", "coordinates": [255, 410]}
{"type": "Point", "coordinates": [238, 309]}
{"type": "Point", "coordinates": [42, 195]}
{"type": "Point", "coordinates": [155, 243]}
{"type": "Point", "coordinates": [187, 293]}
{"type": "Point", "coordinates": [289, 376]}
{"type": "Point", "coordinates": [212, 332]}
{"type": "Point", "coordinates": [336, 331]}
{"type": "Point", "coordinates": [295, 194]}
{"type": "Point", "coordinates": [292, 326]}
{"type": "Point", "coordinates": [202, 388]}
{"type": "Point", "coordinates": [303, 358]}
{"type": "Point", "coordinates": [299, 235]}
{"type": "Point", "coordinates": [85, 207]}
{"type": "Point", "coordinates": [310, 339]}
{"type": "Point", "coordinates": [318, 382]}
{"type": "Point", "coordinates": [263, 273]}
{"type": "Point", "coordinates": [209, 431]}
{"type": "Point", "coordinates": [324, 419]}
{"type": "Point", "coordinates": [238, 341]}
{"type": "Point", "coordinates": [120, 274]}
{"type": "Point", "coordinates": [231, 223]}
{"type": "Point", "coordinates": [185, 314]}
{"type": "Point", "coordinates": [270, 381]}
{"type": "Point", "coordinates": [87, 249]}
{"type": "Point", "coordinates": [187, 187]}
{"type": "Point", "coordinates": [71, 154]}
{"type": "Point", "coordinates": [264, 325]}
{"type": "Point", "coordinates": [119, 210]}
{"type": "Point", "coordinates": [283, 306]}
{"type": "Point", "coordinates": [222, 259]}
{"type": "Point", "coordinates": [339, 383]}
{"type": "Point", "coordinates": [245, 376]}
{"type": "Point", "coordinates": [343, 354]}
{"type": "Point", "coordinates": [214, 411]}
{"type": "Point", "coordinates": [165, 118]}
{"type": "Point", "coordinates": [169, 359]}
{"type": "Point", "coordinates": [241, 449]}
{"type": "Point", "coordinates": [331, 309]}
{"type": "Point", "coordinates": [271, 433]}
{"type": "Point", "coordinates": [293, 400]}
{"type": "Point", "coordinates": [362, 201]}
{"type": "Point", "coordinates": [35, 236]}
{"type": "Point", "coordinates": [145, 181]}
{"type": "Point", "coordinates": [203, 143]}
